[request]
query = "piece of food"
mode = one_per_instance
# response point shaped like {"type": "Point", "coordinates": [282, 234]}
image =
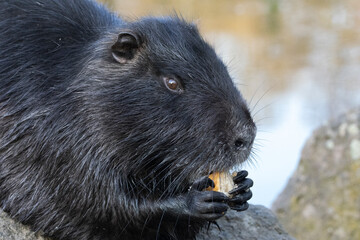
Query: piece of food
{"type": "Point", "coordinates": [223, 182]}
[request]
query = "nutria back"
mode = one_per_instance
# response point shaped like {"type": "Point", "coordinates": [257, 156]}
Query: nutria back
{"type": "Point", "coordinates": [109, 128]}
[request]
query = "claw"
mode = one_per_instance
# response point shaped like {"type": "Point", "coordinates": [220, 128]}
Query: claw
{"type": "Point", "coordinates": [215, 223]}
{"type": "Point", "coordinates": [245, 184]}
{"type": "Point", "coordinates": [242, 207]}
{"type": "Point", "coordinates": [240, 176]}
{"type": "Point", "coordinates": [241, 198]}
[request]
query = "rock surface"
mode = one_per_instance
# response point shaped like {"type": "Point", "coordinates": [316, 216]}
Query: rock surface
{"type": "Point", "coordinates": [322, 198]}
{"type": "Point", "coordinates": [257, 223]}
{"type": "Point", "coordinates": [11, 230]}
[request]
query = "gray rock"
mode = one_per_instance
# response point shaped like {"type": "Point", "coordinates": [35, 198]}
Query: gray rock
{"type": "Point", "coordinates": [256, 223]}
{"type": "Point", "coordinates": [11, 230]}
{"type": "Point", "coordinates": [322, 199]}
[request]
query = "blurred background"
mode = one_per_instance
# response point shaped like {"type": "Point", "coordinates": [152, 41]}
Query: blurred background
{"type": "Point", "coordinates": [296, 62]}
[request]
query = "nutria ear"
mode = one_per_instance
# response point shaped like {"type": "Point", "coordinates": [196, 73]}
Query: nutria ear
{"type": "Point", "coordinates": [125, 47]}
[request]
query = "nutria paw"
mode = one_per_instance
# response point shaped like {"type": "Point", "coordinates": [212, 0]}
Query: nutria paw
{"type": "Point", "coordinates": [241, 194]}
{"type": "Point", "coordinates": [206, 205]}
{"type": "Point", "coordinates": [202, 183]}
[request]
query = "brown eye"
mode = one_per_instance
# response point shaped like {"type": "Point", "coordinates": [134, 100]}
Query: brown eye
{"type": "Point", "coordinates": [173, 84]}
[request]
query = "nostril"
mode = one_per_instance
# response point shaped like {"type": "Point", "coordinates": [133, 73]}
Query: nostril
{"type": "Point", "coordinates": [240, 143]}
{"type": "Point", "coordinates": [244, 136]}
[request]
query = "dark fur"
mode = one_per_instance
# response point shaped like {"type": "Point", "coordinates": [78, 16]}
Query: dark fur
{"type": "Point", "coordinates": [94, 149]}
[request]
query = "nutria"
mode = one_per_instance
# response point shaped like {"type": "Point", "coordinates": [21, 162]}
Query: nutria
{"type": "Point", "coordinates": [109, 128]}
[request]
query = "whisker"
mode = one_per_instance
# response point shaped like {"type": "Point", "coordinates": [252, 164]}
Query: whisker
{"type": "Point", "coordinates": [158, 230]}
{"type": "Point", "coordinates": [258, 101]}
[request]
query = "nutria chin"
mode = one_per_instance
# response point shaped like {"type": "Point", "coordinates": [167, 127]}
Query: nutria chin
{"type": "Point", "coordinates": [109, 128]}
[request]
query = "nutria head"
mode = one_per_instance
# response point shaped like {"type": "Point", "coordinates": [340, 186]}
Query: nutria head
{"type": "Point", "coordinates": [168, 104]}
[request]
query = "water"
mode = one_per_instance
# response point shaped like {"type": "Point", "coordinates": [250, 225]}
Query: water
{"type": "Point", "coordinates": [278, 147]}
{"type": "Point", "coordinates": [299, 62]}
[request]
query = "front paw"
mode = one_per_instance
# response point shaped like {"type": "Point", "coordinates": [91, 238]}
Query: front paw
{"type": "Point", "coordinates": [241, 194]}
{"type": "Point", "coordinates": [207, 205]}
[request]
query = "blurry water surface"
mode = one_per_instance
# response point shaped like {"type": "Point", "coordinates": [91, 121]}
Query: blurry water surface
{"type": "Point", "coordinates": [296, 62]}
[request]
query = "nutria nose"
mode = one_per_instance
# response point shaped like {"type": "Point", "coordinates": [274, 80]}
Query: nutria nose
{"type": "Point", "coordinates": [244, 137]}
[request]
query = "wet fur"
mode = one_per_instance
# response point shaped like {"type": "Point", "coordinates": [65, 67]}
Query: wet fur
{"type": "Point", "coordinates": [91, 149]}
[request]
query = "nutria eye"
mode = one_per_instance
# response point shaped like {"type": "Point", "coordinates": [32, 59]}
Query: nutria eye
{"type": "Point", "coordinates": [173, 84]}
